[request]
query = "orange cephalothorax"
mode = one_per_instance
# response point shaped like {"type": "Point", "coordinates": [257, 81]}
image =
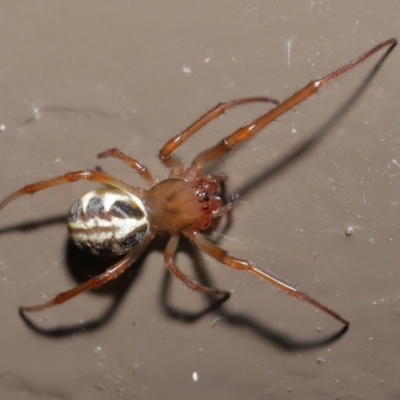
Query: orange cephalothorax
{"type": "Point", "coordinates": [175, 204]}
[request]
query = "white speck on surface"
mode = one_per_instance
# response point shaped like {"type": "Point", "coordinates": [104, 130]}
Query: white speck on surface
{"type": "Point", "coordinates": [349, 231]}
{"type": "Point", "coordinates": [214, 322]}
{"type": "Point", "coordinates": [195, 376]}
{"type": "Point", "coordinates": [289, 44]}
{"type": "Point", "coordinates": [97, 349]}
{"type": "Point", "coordinates": [36, 113]}
{"type": "Point", "coordinates": [393, 162]}
{"type": "Point", "coordinates": [186, 69]}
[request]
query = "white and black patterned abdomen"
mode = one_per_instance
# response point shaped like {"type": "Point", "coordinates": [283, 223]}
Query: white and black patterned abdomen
{"type": "Point", "coordinates": [108, 222]}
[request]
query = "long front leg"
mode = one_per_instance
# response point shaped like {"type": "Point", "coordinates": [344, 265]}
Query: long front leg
{"type": "Point", "coordinates": [226, 144]}
{"type": "Point", "coordinates": [109, 274]}
{"type": "Point", "coordinates": [177, 165]}
{"type": "Point", "coordinates": [87, 175]}
{"type": "Point", "coordinates": [225, 258]}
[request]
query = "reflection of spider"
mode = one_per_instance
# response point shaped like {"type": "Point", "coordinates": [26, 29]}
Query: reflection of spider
{"type": "Point", "coordinates": [123, 220]}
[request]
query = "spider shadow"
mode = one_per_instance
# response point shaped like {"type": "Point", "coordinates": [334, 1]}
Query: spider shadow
{"type": "Point", "coordinates": [215, 305]}
{"type": "Point", "coordinates": [308, 144]}
{"type": "Point", "coordinates": [33, 224]}
{"type": "Point", "coordinates": [119, 287]}
{"type": "Point", "coordinates": [264, 331]}
{"type": "Point", "coordinates": [60, 110]}
{"type": "Point", "coordinates": [82, 266]}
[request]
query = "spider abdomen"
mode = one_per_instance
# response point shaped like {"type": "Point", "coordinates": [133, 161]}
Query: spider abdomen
{"type": "Point", "coordinates": [108, 222]}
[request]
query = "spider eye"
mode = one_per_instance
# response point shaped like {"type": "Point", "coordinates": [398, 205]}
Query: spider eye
{"type": "Point", "coordinates": [108, 222]}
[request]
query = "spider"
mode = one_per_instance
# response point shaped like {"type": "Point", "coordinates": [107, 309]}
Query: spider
{"type": "Point", "coordinates": [123, 219]}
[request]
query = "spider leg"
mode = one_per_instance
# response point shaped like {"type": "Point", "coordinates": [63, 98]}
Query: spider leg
{"type": "Point", "coordinates": [87, 175]}
{"type": "Point", "coordinates": [141, 169]}
{"type": "Point", "coordinates": [177, 165]}
{"type": "Point", "coordinates": [222, 256]}
{"type": "Point", "coordinates": [226, 144]}
{"type": "Point", "coordinates": [109, 274]}
{"type": "Point", "coordinates": [169, 259]}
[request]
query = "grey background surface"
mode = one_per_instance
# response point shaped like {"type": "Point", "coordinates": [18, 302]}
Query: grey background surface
{"type": "Point", "coordinates": [78, 78]}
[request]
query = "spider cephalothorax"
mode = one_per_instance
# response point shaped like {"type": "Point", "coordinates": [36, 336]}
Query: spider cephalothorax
{"type": "Point", "coordinates": [176, 204]}
{"type": "Point", "coordinates": [124, 219]}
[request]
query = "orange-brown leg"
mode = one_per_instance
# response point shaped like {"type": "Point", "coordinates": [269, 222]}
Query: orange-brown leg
{"type": "Point", "coordinates": [226, 144]}
{"type": "Point", "coordinates": [141, 169]}
{"type": "Point", "coordinates": [93, 283]}
{"type": "Point", "coordinates": [222, 256]}
{"type": "Point", "coordinates": [169, 259]}
{"type": "Point", "coordinates": [87, 175]}
{"type": "Point", "coordinates": [176, 141]}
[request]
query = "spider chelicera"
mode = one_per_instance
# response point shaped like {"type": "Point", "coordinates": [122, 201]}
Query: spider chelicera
{"type": "Point", "coordinates": [124, 219]}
